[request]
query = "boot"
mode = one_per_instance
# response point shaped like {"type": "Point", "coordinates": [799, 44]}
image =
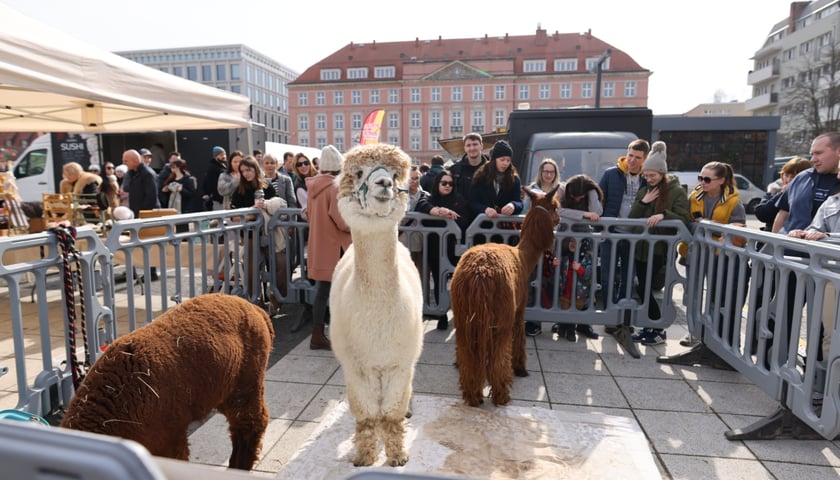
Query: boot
{"type": "Point", "coordinates": [319, 341]}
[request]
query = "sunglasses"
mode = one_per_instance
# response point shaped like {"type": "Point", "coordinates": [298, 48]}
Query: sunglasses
{"type": "Point", "coordinates": [302, 164]}
{"type": "Point", "coordinates": [445, 183]}
{"type": "Point", "coordinates": [703, 179]}
{"type": "Point", "coordinates": [109, 168]}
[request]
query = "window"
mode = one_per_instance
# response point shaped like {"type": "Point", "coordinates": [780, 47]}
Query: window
{"type": "Point", "coordinates": [592, 64]}
{"type": "Point", "coordinates": [545, 91]}
{"type": "Point", "coordinates": [338, 142]}
{"type": "Point", "coordinates": [192, 73]}
{"type": "Point", "coordinates": [320, 142]}
{"type": "Point", "coordinates": [320, 122]}
{"type": "Point", "coordinates": [415, 142]}
{"type": "Point", "coordinates": [789, 54]}
{"type": "Point", "coordinates": [234, 71]}
{"type": "Point", "coordinates": [164, 69]}
{"type": "Point", "coordinates": [500, 118]}
{"type": "Point", "coordinates": [565, 65]}
{"type": "Point", "coordinates": [434, 143]}
{"type": "Point", "coordinates": [206, 73]}
{"type": "Point", "coordinates": [414, 119]}
{"type": "Point", "coordinates": [533, 66]}
{"type": "Point", "coordinates": [356, 97]}
{"type": "Point", "coordinates": [393, 120]}
{"type": "Point", "coordinates": [434, 119]}
{"type": "Point", "coordinates": [320, 98]}
{"type": "Point", "coordinates": [374, 96]}
{"type": "Point", "coordinates": [499, 92]}
{"type": "Point", "coordinates": [586, 90]}
{"type": "Point", "coordinates": [329, 74]}
{"type": "Point", "coordinates": [303, 122]}
{"type": "Point", "coordinates": [478, 93]}
{"type": "Point", "coordinates": [385, 72]}
{"type": "Point", "coordinates": [356, 121]}
{"type": "Point", "coordinates": [338, 98]}
{"type": "Point", "coordinates": [524, 92]}
{"type": "Point", "coordinates": [220, 73]}
{"type": "Point", "coordinates": [236, 88]}
{"type": "Point", "coordinates": [456, 120]}
{"type": "Point", "coordinates": [303, 99]}
{"type": "Point", "coordinates": [630, 89]}
{"type": "Point", "coordinates": [393, 140]}
{"type": "Point", "coordinates": [178, 71]}
{"type": "Point", "coordinates": [338, 121]}
{"type": "Point", "coordinates": [304, 142]}
{"type": "Point", "coordinates": [414, 95]}
{"type": "Point", "coordinates": [457, 94]}
{"type": "Point", "coordinates": [435, 94]}
{"type": "Point", "coordinates": [609, 89]}
{"type": "Point", "coordinates": [565, 90]}
{"type": "Point", "coordinates": [393, 95]}
{"type": "Point", "coordinates": [356, 73]}
{"type": "Point", "coordinates": [477, 121]}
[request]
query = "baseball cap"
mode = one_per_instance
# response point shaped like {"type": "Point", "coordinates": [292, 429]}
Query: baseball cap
{"type": "Point", "coordinates": [145, 152]}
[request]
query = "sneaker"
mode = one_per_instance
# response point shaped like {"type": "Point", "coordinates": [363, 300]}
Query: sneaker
{"type": "Point", "coordinates": [570, 334]}
{"type": "Point", "coordinates": [532, 329]}
{"type": "Point", "coordinates": [640, 335]}
{"type": "Point", "coordinates": [586, 331]}
{"type": "Point", "coordinates": [556, 331]}
{"type": "Point", "coordinates": [689, 341]}
{"type": "Point", "coordinates": [654, 337]}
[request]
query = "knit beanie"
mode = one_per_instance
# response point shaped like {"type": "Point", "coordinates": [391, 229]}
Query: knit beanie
{"type": "Point", "coordinates": [218, 150]}
{"type": "Point", "coordinates": [501, 149]}
{"type": "Point", "coordinates": [656, 159]}
{"type": "Point", "coordinates": [331, 159]}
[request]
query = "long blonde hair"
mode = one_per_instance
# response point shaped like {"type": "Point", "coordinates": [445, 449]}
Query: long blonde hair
{"type": "Point", "coordinates": [538, 176]}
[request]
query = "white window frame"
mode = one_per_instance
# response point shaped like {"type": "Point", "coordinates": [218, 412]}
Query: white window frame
{"type": "Point", "coordinates": [328, 74]}
{"type": "Point", "coordinates": [533, 66]}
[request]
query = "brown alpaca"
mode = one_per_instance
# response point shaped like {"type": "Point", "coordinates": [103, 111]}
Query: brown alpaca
{"type": "Point", "coordinates": [489, 293]}
{"type": "Point", "coordinates": [149, 385]}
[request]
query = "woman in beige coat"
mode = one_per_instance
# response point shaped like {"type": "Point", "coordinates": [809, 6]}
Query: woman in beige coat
{"type": "Point", "coordinates": [329, 238]}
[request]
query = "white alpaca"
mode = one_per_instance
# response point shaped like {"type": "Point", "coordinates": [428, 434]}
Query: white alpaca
{"type": "Point", "coordinates": [376, 301]}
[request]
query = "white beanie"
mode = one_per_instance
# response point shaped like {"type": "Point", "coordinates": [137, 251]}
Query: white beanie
{"type": "Point", "coordinates": [656, 159]}
{"type": "Point", "coordinates": [331, 160]}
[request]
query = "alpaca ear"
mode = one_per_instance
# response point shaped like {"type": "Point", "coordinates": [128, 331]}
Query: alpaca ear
{"type": "Point", "coordinates": [553, 191]}
{"type": "Point", "coordinates": [531, 193]}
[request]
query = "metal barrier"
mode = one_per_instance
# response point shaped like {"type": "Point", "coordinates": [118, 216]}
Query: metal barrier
{"type": "Point", "coordinates": [222, 251]}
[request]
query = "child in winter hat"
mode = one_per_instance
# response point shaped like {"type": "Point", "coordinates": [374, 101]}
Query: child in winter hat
{"type": "Point", "coordinates": [501, 149]}
{"type": "Point", "coordinates": [656, 160]}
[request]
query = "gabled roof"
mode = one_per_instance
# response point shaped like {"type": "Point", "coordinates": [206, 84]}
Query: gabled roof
{"type": "Point", "coordinates": [465, 50]}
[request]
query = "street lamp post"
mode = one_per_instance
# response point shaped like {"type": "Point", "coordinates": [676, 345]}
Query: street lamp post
{"type": "Point", "coordinates": [598, 67]}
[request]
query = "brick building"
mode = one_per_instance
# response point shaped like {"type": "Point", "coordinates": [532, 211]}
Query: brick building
{"type": "Point", "coordinates": [442, 88]}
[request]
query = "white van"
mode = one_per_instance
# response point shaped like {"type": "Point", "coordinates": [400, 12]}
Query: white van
{"type": "Point", "coordinates": [38, 169]}
{"type": "Point", "coordinates": [748, 192]}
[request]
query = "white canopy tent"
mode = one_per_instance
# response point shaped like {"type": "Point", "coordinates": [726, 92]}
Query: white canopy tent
{"type": "Point", "coordinates": [52, 82]}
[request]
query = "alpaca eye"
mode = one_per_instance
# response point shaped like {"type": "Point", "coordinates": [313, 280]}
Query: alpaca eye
{"type": "Point", "coordinates": [358, 174]}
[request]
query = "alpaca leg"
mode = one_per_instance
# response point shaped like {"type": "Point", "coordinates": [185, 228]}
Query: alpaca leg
{"type": "Point", "coordinates": [470, 373]}
{"type": "Point", "coordinates": [519, 358]}
{"type": "Point", "coordinates": [393, 436]}
{"type": "Point", "coordinates": [499, 373]}
{"type": "Point", "coordinates": [365, 442]}
{"type": "Point", "coordinates": [247, 421]}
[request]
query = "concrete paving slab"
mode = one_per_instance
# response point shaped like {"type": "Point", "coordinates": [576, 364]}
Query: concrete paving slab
{"type": "Point", "coordinates": [567, 388]}
{"type": "Point", "coordinates": [685, 467]}
{"type": "Point", "coordinates": [689, 433]}
{"type": "Point", "coordinates": [446, 438]}
{"type": "Point", "coordinates": [661, 394]}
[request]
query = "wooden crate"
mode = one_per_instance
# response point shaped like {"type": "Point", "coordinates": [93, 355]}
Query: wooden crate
{"type": "Point", "coordinates": [151, 232]}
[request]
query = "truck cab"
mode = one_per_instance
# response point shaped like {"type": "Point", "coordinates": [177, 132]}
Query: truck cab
{"type": "Point", "coordinates": [576, 153]}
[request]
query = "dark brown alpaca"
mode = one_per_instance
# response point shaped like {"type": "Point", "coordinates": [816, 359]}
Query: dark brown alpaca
{"type": "Point", "coordinates": [149, 385]}
{"type": "Point", "coordinates": [489, 292]}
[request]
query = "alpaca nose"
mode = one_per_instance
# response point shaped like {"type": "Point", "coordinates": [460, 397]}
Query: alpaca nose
{"type": "Point", "coordinates": [384, 182]}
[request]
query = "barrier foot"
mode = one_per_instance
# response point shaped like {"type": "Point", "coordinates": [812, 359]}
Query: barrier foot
{"type": "Point", "coordinates": [623, 335]}
{"type": "Point", "coordinates": [782, 424]}
{"type": "Point", "coordinates": [699, 354]}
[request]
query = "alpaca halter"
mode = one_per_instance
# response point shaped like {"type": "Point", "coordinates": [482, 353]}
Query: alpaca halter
{"type": "Point", "coordinates": [360, 195]}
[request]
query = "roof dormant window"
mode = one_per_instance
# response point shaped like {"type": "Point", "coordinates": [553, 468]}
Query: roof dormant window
{"type": "Point", "coordinates": [331, 74]}
{"type": "Point", "coordinates": [357, 73]}
{"type": "Point", "coordinates": [592, 64]}
{"type": "Point", "coordinates": [533, 66]}
{"type": "Point", "coordinates": [565, 65]}
{"type": "Point", "coordinates": [385, 72]}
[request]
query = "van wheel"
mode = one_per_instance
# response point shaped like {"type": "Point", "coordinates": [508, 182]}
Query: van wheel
{"type": "Point", "coordinates": [753, 203]}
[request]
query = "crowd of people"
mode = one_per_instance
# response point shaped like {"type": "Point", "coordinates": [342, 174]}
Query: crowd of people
{"type": "Point", "coordinates": [805, 204]}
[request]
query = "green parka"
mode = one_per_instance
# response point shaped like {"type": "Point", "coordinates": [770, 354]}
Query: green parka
{"type": "Point", "coordinates": [677, 209]}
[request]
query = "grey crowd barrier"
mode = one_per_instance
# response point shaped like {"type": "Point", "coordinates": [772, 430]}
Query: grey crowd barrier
{"type": "Point", "coordinates": [748, 296]}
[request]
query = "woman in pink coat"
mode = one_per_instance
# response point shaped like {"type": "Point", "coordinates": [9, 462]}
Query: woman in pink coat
{"type": "Point", "coordinates": [329, 238]}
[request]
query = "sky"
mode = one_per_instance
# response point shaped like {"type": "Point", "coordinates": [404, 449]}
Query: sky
{"type": "Point", "coordinates": [697, 51]}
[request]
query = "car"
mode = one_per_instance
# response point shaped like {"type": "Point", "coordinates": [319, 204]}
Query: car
{"type": "Point", "coordinates": [748, 192]}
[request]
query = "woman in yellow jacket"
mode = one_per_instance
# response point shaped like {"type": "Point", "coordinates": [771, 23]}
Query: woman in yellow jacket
{"type": "Point", "coordinates": [716, 198]}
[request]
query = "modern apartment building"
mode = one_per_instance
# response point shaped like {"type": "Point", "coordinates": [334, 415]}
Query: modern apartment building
{"type": "Point", "coordinates": [443, 88]}
{"type": "Point", "coordinates": [792, 70]}
{"type": "Point", "coordinates": [235, 68]}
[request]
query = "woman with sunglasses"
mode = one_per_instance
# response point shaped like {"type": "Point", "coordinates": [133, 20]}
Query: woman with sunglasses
{"type": "Point", "coordinates": [663, 198]}
{"type": "Point", "coordinates": [302, 169]}
{"type": "Point", "coordinates": [443, 201]}
{"type": "Point", "coordinates": [715, 198]}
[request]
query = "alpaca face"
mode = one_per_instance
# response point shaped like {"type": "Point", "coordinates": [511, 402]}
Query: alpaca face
{"type": "Point", "coordinates": [372, 183]}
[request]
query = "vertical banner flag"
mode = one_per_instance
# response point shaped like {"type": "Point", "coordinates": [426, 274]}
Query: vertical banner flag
{"type": "Point", "coordinates": [372, 127]}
